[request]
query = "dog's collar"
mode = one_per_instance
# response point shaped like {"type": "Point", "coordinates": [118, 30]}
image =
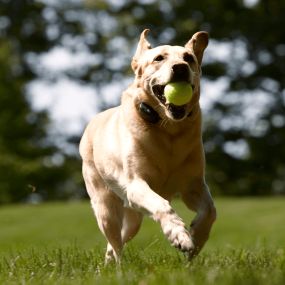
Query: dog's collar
{"type": "Point", "coordinates": [150, 115]}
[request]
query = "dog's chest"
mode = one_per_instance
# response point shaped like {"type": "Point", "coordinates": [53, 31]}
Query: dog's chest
{"type": "Point", "coordinates": [167, 165]}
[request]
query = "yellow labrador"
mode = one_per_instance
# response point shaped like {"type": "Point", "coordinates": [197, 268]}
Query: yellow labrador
{"type": "Point", "coordinates": [139, 155]}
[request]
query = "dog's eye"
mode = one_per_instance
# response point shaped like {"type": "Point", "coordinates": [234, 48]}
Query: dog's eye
{"type": "Point", "coordinates": [188, 58]}
{"type": "Point", "coordinates": [159, 58]}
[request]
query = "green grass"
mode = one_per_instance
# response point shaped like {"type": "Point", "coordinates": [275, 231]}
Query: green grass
{"type": "Point", "coordinates": [59, 243]}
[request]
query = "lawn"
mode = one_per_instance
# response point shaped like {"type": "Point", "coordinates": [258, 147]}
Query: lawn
{"type": "Point", "coordinates": [59, 243]}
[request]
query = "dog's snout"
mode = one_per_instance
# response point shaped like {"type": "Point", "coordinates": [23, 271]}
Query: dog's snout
{"type": "Point", "coordinates": [180, 72]}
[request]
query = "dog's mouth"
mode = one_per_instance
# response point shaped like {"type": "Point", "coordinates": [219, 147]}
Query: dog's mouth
{"type": "Point", "coordinates": [158, 91]}
{"type": "Point", "coordinates": [177, 112]}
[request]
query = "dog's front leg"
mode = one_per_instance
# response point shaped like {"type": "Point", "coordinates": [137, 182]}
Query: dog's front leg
{"type": "Point", "coordinates": [140, 197]}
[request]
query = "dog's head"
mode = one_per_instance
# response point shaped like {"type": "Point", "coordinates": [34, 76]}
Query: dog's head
{"type": "Point", "coordinates": [156, 67]}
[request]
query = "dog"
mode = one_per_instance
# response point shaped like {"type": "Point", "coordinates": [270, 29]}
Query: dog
{"type": "Point", "coordinates": [141, 154]}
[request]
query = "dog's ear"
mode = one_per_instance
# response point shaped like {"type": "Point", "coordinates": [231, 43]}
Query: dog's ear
{"type": "Point", "coordinates": [143, 45]}
{"type": "Point", "coordinates": [198, 43]}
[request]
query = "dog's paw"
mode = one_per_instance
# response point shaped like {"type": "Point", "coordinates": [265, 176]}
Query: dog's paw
{"type": "Point", "coordinates": [174, 229]}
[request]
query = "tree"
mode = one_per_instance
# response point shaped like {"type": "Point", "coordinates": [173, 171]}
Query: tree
{"type": "Point", "coordinates": [243, 128]}
{"type": "Point", "coordinates": [237, 141]}
{"type": "Point", "coordinates": [30, 162]}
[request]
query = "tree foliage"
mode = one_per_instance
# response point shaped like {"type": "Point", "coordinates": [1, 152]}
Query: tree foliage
{"type": "Point", "coordinates": [244, 128]}
{"type": "Point", "coordinates": [31, 164]}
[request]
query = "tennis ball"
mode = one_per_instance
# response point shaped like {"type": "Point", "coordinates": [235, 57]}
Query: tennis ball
{"type": "Point", "coordinates": [178, 93]}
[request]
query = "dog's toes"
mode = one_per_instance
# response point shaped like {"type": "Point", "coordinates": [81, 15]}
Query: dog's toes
{"type": "Point", "coordinates": [184, 244]}
{"type": "Point", "coordinates": [184, 241]}
{"type": "Point", "coordinates": [177, 234]}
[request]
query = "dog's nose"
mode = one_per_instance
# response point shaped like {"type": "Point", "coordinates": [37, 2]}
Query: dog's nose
{"type": "Point", "coordinates": [180, 72]}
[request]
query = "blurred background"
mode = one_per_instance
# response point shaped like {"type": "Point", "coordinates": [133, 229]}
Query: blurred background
{"type": "Point", "coordinates": [63, 61]}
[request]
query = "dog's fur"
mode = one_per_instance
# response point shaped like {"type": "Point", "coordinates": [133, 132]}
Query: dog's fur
{"type": "Point", "coordinates": [134, 165]}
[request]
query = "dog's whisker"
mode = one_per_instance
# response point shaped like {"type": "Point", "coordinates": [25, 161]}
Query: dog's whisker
{"type": "Point", "coordinates": [164, 122]}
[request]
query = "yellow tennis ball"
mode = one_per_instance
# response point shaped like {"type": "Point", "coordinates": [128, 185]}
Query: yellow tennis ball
{"type": "Point", "coordinates": [178, 93]}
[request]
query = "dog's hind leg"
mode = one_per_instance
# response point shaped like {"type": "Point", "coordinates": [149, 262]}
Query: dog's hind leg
{"type": "Point", "coordinates": [131, 224]}
{"type": "Point", "coordinates": [199, 200]}
{"type": "Point", "coordinates": [109, 213]}
{"type": "Point", "coordinates": [108, 209]}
